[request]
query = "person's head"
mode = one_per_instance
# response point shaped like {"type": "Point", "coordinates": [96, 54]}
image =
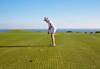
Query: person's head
{"type": "Point", "coordinates": [46, 19]}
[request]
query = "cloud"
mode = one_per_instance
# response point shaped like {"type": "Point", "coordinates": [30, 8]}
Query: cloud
{"type": "Point", "coordinates": [78, 25]}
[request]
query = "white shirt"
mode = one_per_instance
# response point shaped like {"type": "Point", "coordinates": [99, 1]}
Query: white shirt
{"type": "Point", "coordinates": [52, 24]}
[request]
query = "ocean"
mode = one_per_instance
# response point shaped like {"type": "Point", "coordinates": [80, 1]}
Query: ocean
{"type": "Point", "coordinates": [58, 30]}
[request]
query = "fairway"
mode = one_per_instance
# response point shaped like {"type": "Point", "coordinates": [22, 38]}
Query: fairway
{"type": "Point", "coordinates": [31, 50]}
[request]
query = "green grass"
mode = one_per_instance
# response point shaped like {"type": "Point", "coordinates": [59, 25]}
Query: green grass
{"type": "Point", "coordinates": [31, 50]}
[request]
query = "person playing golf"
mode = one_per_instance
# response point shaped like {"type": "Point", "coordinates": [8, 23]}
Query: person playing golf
{"type": "Point", "coordinates": [51, 30]}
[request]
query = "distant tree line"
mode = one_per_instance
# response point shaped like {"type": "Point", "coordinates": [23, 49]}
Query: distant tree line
{"type": "Point", "coordinates": [84, 32]}
{"type": "Point", "coordinates": [97, 32]}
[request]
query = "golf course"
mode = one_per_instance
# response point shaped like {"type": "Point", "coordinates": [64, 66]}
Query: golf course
{"type": "Point", "coordinates": [21, 49]}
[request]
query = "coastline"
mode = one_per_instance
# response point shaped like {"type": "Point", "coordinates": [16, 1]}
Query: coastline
{"type": "Point", "coordinates": [58, 30]}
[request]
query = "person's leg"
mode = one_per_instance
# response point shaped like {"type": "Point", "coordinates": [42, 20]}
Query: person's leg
{"type": "Point", "coordinates": [53, 39]}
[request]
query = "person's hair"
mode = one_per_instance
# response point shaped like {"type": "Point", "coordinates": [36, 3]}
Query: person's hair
{"type": "Point", "coordinates": [45, 18]}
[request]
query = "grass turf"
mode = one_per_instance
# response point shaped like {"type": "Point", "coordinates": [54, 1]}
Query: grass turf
{"type": "Point", "coordinates": [31, 50]}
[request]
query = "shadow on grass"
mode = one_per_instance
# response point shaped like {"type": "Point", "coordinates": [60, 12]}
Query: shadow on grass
{"type": "Point", "coordinates": [23, 46]}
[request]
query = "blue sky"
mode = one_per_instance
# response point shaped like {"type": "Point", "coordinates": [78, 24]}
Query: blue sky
{"type": "Point", "coordinates": [28, 14]}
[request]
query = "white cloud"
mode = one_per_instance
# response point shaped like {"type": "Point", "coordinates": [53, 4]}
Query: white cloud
{"type": "Point", "coordinates": [78, 25]}
{"type": "Point", "coordinates": [13, 24]}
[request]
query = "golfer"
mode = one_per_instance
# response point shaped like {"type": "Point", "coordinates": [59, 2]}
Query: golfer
{"type": "Point", "coordinates": [51, 30]}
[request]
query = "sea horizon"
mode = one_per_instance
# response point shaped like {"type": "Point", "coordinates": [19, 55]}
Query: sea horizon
{"type": "Point", "coordinates": [58, 30]}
